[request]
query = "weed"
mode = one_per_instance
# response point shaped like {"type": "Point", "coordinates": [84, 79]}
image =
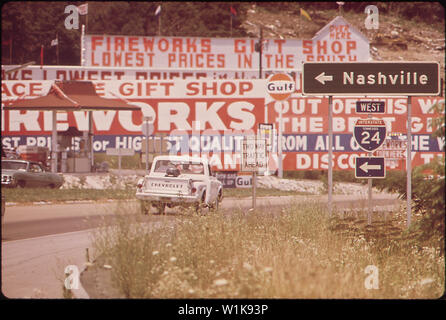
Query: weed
{"type": "Point", "coordinates": [279, 252]}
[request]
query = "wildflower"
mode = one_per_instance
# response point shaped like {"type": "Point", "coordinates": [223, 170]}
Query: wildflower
{"type": "Point", "coordinates": [247, 266]}
{"type": "Point", "coordinates": [155, 253]}
{"type": "Point", "coordinates": [168, 245]}
{"type": "Point", "coordinates": [426, 281]}
{"type": "Point", "coordinates": [268, 269]}
{"type": "Point", "coordinates": [211, 261]}
{"type": "Point", "coordinates": [220, 282]}
{"type": "Point", "coordinates": [191, 291]}
{"type": "Point", "coordinates": [173, 259]}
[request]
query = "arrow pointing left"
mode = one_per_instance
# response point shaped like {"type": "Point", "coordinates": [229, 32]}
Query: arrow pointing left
{"type": "Point", "coordinates": [366, 167]}
{"type": "Point", "coordinates": [322, 78]}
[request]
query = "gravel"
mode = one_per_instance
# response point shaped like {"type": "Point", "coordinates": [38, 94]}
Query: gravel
{"type": "Point", "coordinates": [129, 180]}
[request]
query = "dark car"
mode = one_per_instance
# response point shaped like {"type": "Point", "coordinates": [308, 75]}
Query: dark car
{"type": "Point", "coordinates": [22, 173]}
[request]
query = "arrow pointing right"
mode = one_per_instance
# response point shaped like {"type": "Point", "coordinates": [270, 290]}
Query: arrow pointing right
{"type": "Point", "coordinates": [366, 167]}
{"type": "Point", "coordinates": [322, 78]}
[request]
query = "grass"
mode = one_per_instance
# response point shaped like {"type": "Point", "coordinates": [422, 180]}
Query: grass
{"type": "Point", "coordinates": [281, 252]}
{"type": "Point", "coordinates": [29, 195]}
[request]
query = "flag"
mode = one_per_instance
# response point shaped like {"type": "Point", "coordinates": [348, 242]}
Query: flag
{"type": "Point", "coordinates": [54, 42]}
{"type": "Point", "coordinates": [233, 11]}
{"type": "Point", "coordinates": [83, 9]}
{"type": "Point", "coordinates": [305, 14]}
{"type": "Point", "coordinates": [158, 10]}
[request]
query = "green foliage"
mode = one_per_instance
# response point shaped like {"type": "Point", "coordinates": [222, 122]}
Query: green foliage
{"type": "Point", "coordinates": [31, 24]}
{"type": "Point", "coordinates": [428, 189]}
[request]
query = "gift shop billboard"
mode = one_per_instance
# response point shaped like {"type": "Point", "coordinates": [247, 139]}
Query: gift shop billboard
{"type": "Point", "coordinates": [338, 41]}
{"type": "Point", "coordinates": [211, 117]}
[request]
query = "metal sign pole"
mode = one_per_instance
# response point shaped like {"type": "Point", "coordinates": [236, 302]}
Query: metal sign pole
{"type": "Point", "coordinates": [254, 185]}
{"type": "Point", "coordinates": [147, 143]}
{"type": "Point", "coordinates": [369, 184]}
{"type": "Point", "coordinates": [409, 160]}
{"type": "Point", "coordinates": [330, 154]}
{"type": "Point", "coordinates": [54, 144]}
{"type": "Point", "coordinates": [280, 171]}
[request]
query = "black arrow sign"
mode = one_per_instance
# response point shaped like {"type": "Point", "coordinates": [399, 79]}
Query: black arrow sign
{"type": "Point", "coordinates": [361, 78]}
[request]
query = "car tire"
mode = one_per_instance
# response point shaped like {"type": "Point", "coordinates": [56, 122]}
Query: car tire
{"type": "Point", "coordinates": [145, 207]}
{"type": "Point", "coordinates": [161, 208]}
{"type": "Point", "coordinates": [218, 200]}
{"type": "Point", "coordinates": [52, 186]}
{"type": "Point", "coordinates": [21, 184]}
{"type": "Point", "coordinates": [201, 208]}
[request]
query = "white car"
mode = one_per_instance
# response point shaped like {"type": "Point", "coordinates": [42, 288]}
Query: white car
{"type": "Point", "coordinates": [179, 181]}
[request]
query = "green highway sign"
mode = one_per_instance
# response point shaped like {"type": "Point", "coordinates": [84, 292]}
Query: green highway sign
{"type": "Point", "coordinates": [371, 78]}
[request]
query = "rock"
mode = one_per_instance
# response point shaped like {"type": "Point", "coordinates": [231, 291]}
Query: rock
{"type": "Point", "coordinates": [394, 34]}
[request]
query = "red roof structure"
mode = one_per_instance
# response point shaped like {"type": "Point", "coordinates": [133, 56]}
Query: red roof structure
{"type": "Point", "coordinates": [71, 95]}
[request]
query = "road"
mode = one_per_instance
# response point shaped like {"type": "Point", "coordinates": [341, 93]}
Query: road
{"type": "Point", "coordinates": [40, 241]}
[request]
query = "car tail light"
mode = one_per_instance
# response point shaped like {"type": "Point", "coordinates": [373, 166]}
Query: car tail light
{"type": "Point", "coordinates": [194, 190]}
{"type": "Point", "coordinates": [139, 185]}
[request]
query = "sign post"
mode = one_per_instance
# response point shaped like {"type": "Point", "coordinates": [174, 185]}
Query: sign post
{"type": "Point", "coordinates": [279, 87]}
{"type": "Point", "coordinates": [254, 159]}
{"type": "Point", "coordinates": [147, 130]}
{"type": "Point", "coordinates": [119, 152]}
{"type": "Point", "coordinates": [373, 78]}
{"type": "Point", "coordinates": [370, 134]}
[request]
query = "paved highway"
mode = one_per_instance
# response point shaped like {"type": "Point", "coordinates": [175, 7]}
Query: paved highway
{"type": "Point", "coordinates": [39, 241]}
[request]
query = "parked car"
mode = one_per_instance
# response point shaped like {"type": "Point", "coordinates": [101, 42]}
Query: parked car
{"type": "Point", "coordinates": [23, 173]}
{"type": "Point", "coordinates": [179, 181]}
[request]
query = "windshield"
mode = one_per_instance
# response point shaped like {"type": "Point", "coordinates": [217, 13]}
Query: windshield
{"type": "Point", "coordinates": [13, 165]}
{"type": "Point", "coordinates": [185, 167]}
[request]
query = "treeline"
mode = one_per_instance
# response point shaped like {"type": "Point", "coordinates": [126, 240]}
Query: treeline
{"type": "Point", "coordinates": [26, 26]}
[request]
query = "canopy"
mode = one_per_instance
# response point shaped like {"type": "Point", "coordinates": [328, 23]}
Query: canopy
{"type": "Point", "coordinates": [71, 95]}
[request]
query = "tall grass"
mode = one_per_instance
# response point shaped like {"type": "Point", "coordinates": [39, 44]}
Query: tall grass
{"type": "Point", "coordinates": [29, 195]}
{"type": "Point", "coordinates": [292, 252]}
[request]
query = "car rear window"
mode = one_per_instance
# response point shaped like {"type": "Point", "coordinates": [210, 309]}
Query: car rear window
{"type": "Point", "coordinates": [185, 167]}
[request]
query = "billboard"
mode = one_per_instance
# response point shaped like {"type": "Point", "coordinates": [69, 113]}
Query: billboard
{"type": "Point", "coordinates": [211, 117]}
{"type": "Point", "coordinates": [338, 41]}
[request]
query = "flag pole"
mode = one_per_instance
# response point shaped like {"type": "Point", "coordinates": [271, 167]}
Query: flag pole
{"type": "Point", "coordinates": [57, 48]}
{"type": "Point", "coordinates": [231, 24]}
{"type": "Point", "coordinates": [86, 27]}
{"type": "Point", "coordinates": [159, 24]}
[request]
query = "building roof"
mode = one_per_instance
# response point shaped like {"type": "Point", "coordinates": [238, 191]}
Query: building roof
{"type": "Point", "coordinates": [70, 95]}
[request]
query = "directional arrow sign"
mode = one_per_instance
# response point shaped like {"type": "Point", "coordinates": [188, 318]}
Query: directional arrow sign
{"type": "Point", "coordinates": [370, 167]}
{"type": "Point", "coordinates": [371, 78]}
{"type": "Point", "coordinates": [366, 167]}
{"type": "Point", "coordinates": [322, 78]}
{"type": "Point", "coordinates": [370, 134]}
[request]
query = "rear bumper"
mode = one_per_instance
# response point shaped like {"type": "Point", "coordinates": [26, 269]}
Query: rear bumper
{"type": "Point", "coordinates": [9, 184]}
{"type": "Point", "coordinates": [166, 198]}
